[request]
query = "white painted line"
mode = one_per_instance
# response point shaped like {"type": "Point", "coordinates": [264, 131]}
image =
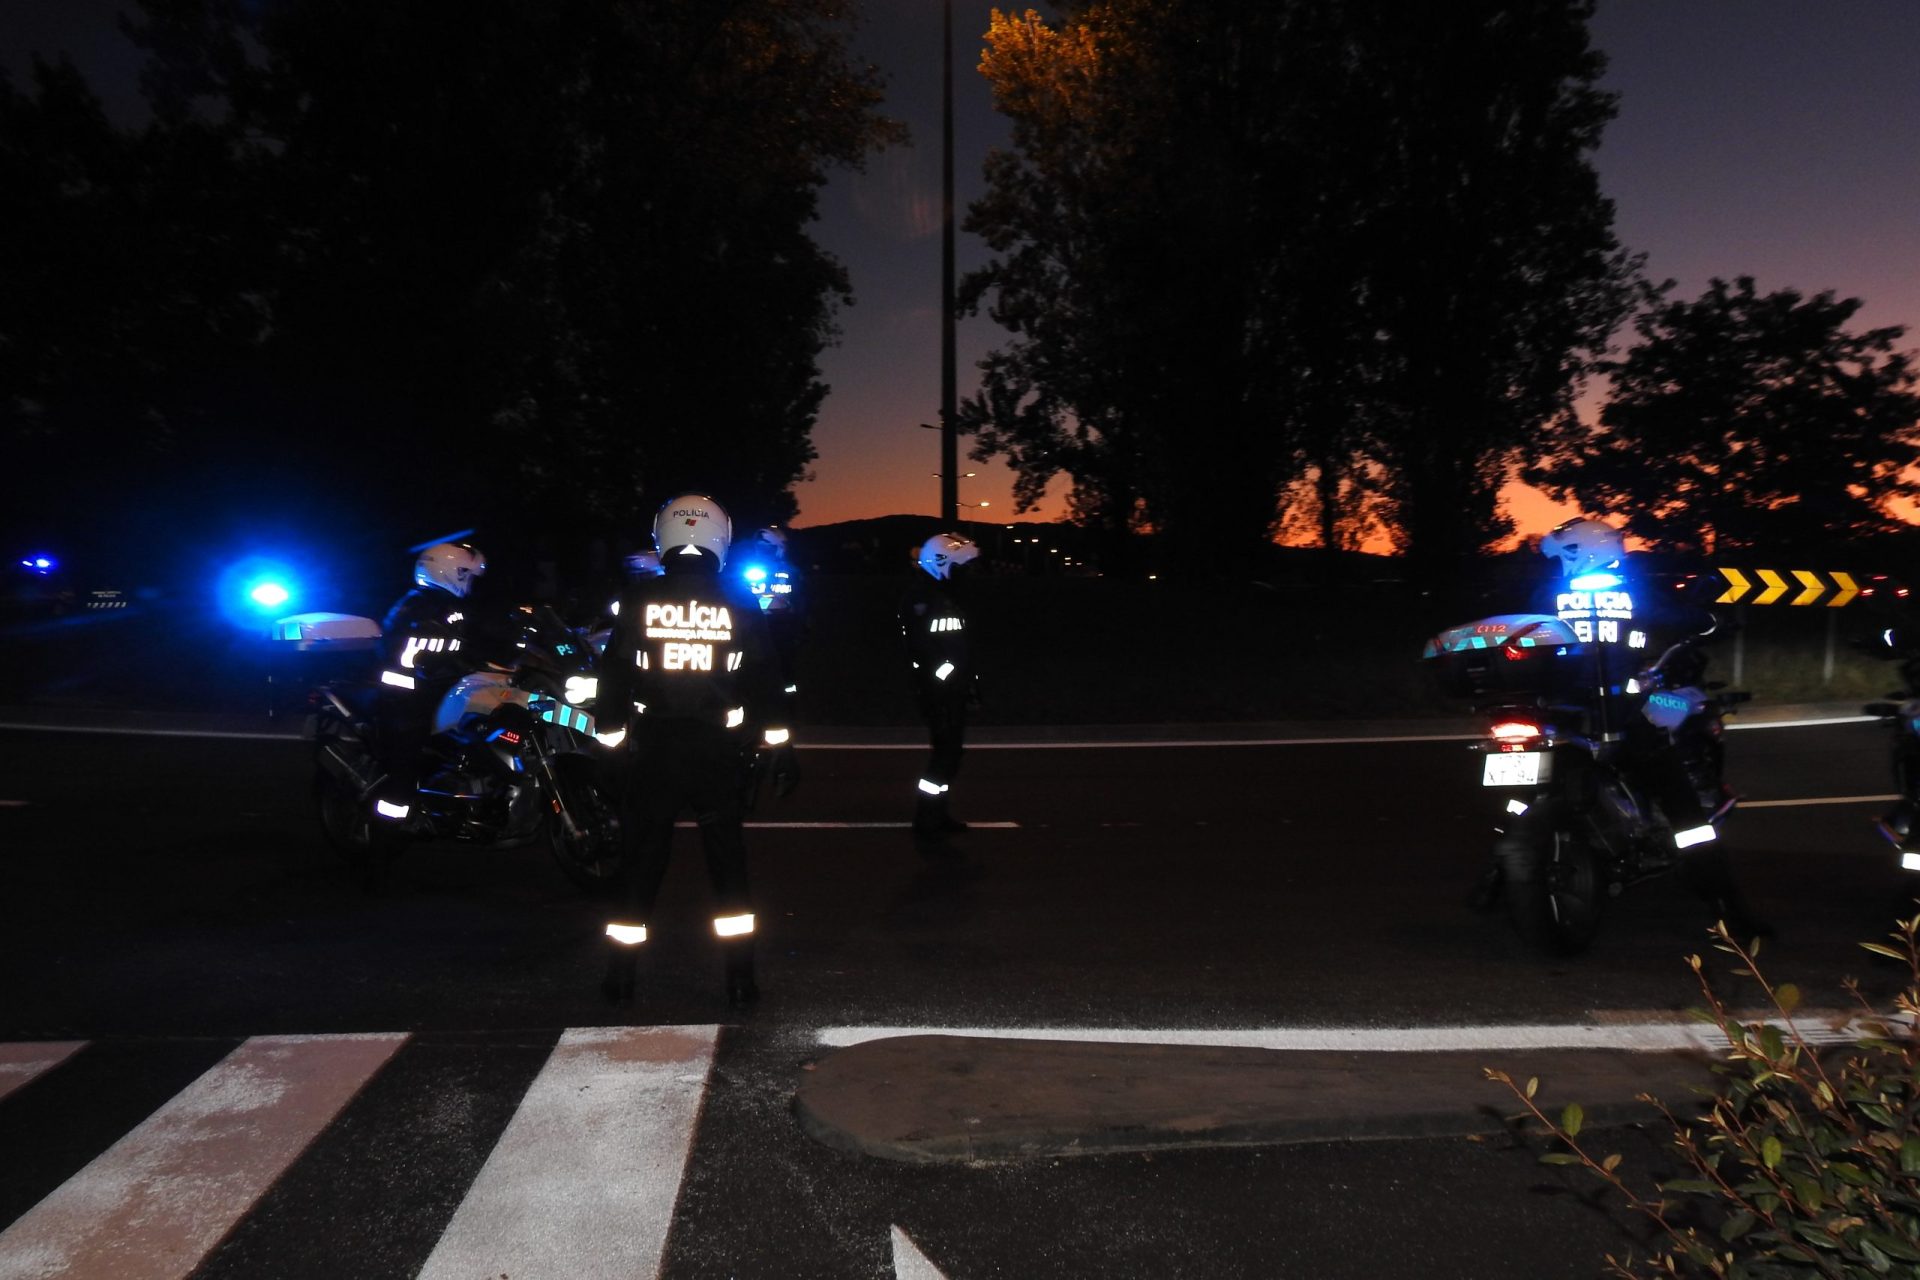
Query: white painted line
{"type": "Point", "coordinates": [1812, 800]}
{"type": "Point", "coordinates": [25, 1061]}
{"type": "Point", "coordinates": [857, 826]}
{"type": "Point", "coordinates": [909, 1263]}
{"type": "Point", "coordinates": [152, 1206]}
{"type": "Point", "coordinates": [1804, 724]}
{"type": "Point", "coordinates": [121, 731]}
{"type": "Point", "coordinates": [584, 1180]}
{"type": "Point", "coordinates": [1644, 1037]}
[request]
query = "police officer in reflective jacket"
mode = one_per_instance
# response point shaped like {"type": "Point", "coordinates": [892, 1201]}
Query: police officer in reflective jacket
{"type": "Point", "coordinates": [940, 648]}
{"type": "Point", "coordinates": [424, 650]}
{"type": "Point", "coordinates": [690, 661]}
{"type": "Point", "coordinates": [1625, 629]}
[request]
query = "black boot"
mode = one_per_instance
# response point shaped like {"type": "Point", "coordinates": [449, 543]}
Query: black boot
{"type": "Point", "coordinates": [623, 963]}
{"type": "Point", "coordinates": [742, 991]}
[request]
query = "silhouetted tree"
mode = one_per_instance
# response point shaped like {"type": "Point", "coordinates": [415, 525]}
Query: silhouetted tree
{"type": "Point", "coordinates": [536, 257]}
{"type": "Point", "coordinates": [1745, 420]}
{"type": "Point", "coordinates": [1239, 243]}
{"type": "Point", "coordinates": [1490, 265]}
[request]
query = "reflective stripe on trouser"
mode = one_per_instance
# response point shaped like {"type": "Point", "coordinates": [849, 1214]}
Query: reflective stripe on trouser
{"type": "Point", "coordinates": [946, 733]}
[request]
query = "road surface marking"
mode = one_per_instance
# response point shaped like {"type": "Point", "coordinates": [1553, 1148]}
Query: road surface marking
{"type": "Point", "coordinates": [14, 804]}
{"type": "Point", "coordinates": [909, 1263]}
{"type": "Point", "coordinates": [1789, 804]}
{"type": "Point", "coordinates": [27, 1061]}
{"type": "Point", "coordinates": [1817, 1027]}
{"type": "Point", "coordinates": [857, 826]}
{"type": "Point", "coordinates": [128, 732]}
{"type": "Point", "coordinates": [584, 1180]}
{"type": "Point", "coordinates": [152, 1206]}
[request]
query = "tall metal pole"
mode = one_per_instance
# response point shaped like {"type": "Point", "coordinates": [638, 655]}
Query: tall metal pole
{"type": "Point", "coordinates": [949, 379]}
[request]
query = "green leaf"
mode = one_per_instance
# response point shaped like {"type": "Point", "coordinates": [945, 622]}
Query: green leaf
{"type": "Point", "coordinates": [1736, 1226]}
{"type": "Point", "coordinates": [1611, 1163]}
{"type": "Point", "coordinates": [1910, 1156]}
{"type": "Point", "coordinates": [1894, 1247]}
{"type": "Point", "coordinates": [1570, 1119]}
{"type": "Point", "coordinates": [1560, 1157]}
{"type": "Point", "coordinates": [1697, 1186]}
{"type": "Point", "coordinates": [1770, 1151]}
{"type": "Point", "coordinates": [1533, 1085]}
{"type": "Point", "coordinates": [1772, 1043]}
{"type": "Point", "coordinates": [1879, 1261]}
{"type": "Point", "coordinates": [1852, 1175]}
{"type": "Point", "coordinates": [1787, 996]}
{"type": "Point", "coordinates": [1877, 1113]}
{"type": "Point", "coordinates": [1881, 949]}
{"type": "Point", "coordinates": [1809, 1193]}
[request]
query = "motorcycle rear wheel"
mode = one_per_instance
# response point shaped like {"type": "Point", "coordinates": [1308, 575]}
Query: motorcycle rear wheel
{"type": "Point", "coordinates": [590, 857]}
{"type": "Point", "coordinates": [1555, 891]}
{"type": "Point", "coordinates": [349, 827]}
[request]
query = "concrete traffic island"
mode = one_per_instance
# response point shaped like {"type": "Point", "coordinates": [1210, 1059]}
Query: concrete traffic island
{"type": "Point", "coordinates": [930, 1099]}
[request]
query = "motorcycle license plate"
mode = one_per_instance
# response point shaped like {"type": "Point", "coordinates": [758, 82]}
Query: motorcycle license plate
{"type": "Point", "coordinates": [1514, 769]}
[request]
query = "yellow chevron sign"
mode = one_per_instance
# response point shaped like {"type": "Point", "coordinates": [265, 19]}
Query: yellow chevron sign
{"type": "Point", "coordinates": [1773, 586]}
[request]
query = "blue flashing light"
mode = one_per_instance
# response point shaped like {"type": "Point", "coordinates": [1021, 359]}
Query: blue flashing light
{"type": "Point", "coordinates": [1595, 582]}
{"type": "Point", "coordinates": [269, 595]}
{"type": "Point", "coordinates": [256, 589]}
{"type": "Point", "coordinates": [756, 574]}
{"type": "Point", "coordinates": [41, 565]}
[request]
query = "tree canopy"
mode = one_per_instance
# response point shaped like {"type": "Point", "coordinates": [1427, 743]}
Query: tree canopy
{"type": "Point", "coordinates": [1240, 245]}
{"type": "Point", "coordinates": [1742, 420]}
{"type": "Point", "coordinates": [548, 255]}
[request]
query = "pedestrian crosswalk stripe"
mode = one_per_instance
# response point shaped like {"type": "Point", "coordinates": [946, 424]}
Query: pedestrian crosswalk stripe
{"type": "Point", "coordinates": [22, 1063]}
{"type": "Point", "coordinates": [909, 1263]}
{"type": "Point", "coordinates": [585, 1178]}
{"type": "Point", "coordinates": [153, 1205]}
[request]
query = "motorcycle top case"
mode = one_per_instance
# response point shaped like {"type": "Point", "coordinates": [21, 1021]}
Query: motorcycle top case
{"type": "Point", "coordinates": [1508, 653]}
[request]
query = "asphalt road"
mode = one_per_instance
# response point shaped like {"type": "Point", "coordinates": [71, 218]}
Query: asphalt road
{"type": "Point", "coordinates": [165, 898]}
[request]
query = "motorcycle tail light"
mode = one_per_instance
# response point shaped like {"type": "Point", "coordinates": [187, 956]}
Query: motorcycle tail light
{"type": "Point", "coordinates": [1514, 730]}
{"type": "Point", "coordinates": [505, 735]}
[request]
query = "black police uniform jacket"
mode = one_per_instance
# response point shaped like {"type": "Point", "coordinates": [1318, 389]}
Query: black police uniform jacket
{"type": "Point", "coordinates": [939, 643]}
{"type": "Point", "coordinates": [425, 639]}
{"type": "Point", "coordinates": [689, 647]}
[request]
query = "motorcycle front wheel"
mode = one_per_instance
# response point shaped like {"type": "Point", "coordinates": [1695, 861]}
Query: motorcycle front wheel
{"type": "Point", "coordinates": [1554, 889]}
{"type": "Point", "coordinates": [589, 856]}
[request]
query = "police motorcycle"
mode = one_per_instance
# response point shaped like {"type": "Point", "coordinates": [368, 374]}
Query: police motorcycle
{"type": "Point", "coordinates": [1900, 714]}
{"type": "Point", "coordinates": [1572, 827]}
{"type": "Point", "coordinates": [513, 760]}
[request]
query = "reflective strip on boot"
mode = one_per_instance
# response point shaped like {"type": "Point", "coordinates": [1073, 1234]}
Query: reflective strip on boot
{"type": "Point", "coordinates": [733, 926]}
{"type": "Point", "coordinates": [1694, 835]}
{"type": "Point", "coordinates": [627, 935]}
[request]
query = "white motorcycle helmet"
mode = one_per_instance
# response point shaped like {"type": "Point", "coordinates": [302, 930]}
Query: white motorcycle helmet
{"type": "Point", "coordinates": [693, 524]}
{"type": "Point", "coordinates": [450, 566]}
{"type": "Point", "coordinates": [1583, 545]}
{"type": "Point", "coordinates": [941, 554]}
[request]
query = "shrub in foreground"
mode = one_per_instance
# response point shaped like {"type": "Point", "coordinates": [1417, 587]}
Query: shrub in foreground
{"type": "Point", "coordinates": [1802, 1163]}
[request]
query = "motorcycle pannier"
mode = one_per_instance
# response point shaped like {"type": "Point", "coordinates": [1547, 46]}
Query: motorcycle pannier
{"type": "Point", "coordinates": [1510, 653]}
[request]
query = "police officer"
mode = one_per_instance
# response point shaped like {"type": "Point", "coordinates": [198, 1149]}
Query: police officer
{"type": "Point", "coordinates": [1625, 629]}
{"type": "Point", "coordinates": [690, 663]}
{"type": "Point", "coordinates": [775, 583]}
{"type": "Point", "coordinates": [423, 645]}
{"type": "Point", "coordinates": [939, 646]}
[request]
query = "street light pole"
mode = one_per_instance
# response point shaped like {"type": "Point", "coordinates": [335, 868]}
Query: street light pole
{"type": "Point", "coordinates": [949, 380]}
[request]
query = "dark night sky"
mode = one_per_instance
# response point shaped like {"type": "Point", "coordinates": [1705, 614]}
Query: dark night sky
{"type": "Point", "coordinates": [1777, 138]}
